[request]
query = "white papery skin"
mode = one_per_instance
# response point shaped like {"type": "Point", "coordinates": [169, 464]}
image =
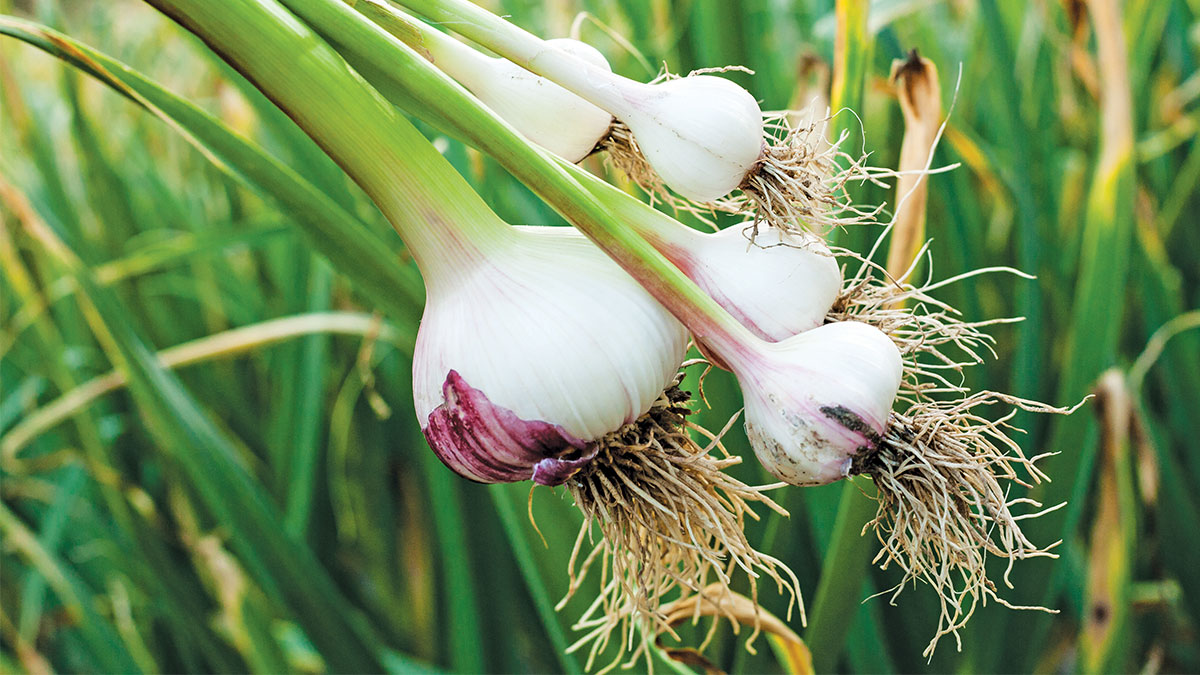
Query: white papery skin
{"type": "Point", "coordinates": [791, 386]}
{"type": "Point", "coordinates": [553, 330]}
{"type": "Point", "coordinates": [777, 287]}
{"type": "Point", "coordinates": [542, 111]}
{"type": "Point", "coordinates": [702, 134]}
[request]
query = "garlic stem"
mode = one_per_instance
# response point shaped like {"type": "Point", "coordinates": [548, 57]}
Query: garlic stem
{"type": "Point", "coordinates": [702, 135]}
{"type": "Point", "coordinates": [641, 239]}
{"type": "Point", "coordinates": [467, 65]}
{"type": "Point", "coordinates": [540, 110]}
{"type": "Point", "coordinates": [446, 226]}
{"type": "Point", "coordinates": [462, 62]}
{"type": "Point", "coordinates": [570, 190]}
{"type": "Point", "coordinates": [594, 84]}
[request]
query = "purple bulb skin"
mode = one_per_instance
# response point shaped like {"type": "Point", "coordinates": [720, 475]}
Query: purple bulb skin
{"type": "Point", "coordinates": [487, 443]}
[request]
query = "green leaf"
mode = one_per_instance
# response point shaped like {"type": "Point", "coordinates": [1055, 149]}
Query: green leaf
{"type": "Point", "coordinates": [350, 246]}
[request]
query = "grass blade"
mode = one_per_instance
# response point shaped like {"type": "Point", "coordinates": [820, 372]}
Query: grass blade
{"type": "Point", "coordinates": [211, 464]}
{"type": "Point", "coordinates": [350, 246]}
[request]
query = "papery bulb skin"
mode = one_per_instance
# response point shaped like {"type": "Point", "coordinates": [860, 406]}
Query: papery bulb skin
{"type": "Point", "coordinates": [779, 286]}
{"type": "Point", "coordinates": [536, 353]}
{"type": "Point", "coordinates": [702, 134]}
{"type": "Point", "coordinates": [542, 111]}
{"type": "Point", "coordinates": [817, 400]}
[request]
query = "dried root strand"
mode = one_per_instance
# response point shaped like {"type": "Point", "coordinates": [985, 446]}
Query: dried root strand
{"type": "Point", "coordinates": [799, 183]}
{"type": "Point", "coordinates": [934, 340]}
{"type": "Point", "coordinates": [943, 470]}
{"type": "Point", "coordinates": [943, 474]}
{"type": "Point", "coordinates": [671, 521]}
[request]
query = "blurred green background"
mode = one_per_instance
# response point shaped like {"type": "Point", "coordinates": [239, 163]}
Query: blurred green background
{"type": "Point", "coordinates": [274, 507]}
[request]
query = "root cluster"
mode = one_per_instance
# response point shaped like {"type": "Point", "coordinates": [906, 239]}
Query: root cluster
{"type": "Point", "coordinates": [799, 182]}
{"type": "Point", "coordinates": [943, 470]}
{"type": "Point", "coordinates": [934, 340]}
{"type": "Point", "coordinates": [670, 521]}
{"type": "Point", "coordinates": [943, 474]}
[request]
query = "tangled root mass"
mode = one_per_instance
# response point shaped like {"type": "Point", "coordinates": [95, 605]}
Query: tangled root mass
{"type": "Point", "coordinates": [943, 473]}
{"type": "Point", "coordinates": [943, 470]}
{"type": "Point", "coordinates": [670, 521]}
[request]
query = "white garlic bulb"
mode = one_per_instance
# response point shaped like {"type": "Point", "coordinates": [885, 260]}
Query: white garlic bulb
{"type": "Point", "coordinates": [548, 346]}
{"type": "Point", "coordinates": [779, 286]}
{"type": "Point", "coordinates": [702, 134]}
{"type": "Point", "coordinates": [816, 401]}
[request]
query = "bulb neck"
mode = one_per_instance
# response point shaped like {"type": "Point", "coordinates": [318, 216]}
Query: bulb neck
{"type": "Point", "coordinates": [446, 226]}
{"type": "Point", "coordinates": [448, 229]}
{"type": "Point", "coordinates": [446, 240]}
{"type": "Point", "coordinates": [462, 62]}
{"type": "Point", "coordinates": [602, 88]}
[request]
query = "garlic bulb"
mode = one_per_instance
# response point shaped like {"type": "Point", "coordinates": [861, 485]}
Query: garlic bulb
{"type": "Point", "coordinates": [819, 400]}
{"type": "Point", "coordinates": [818, 405]}
{"type": "Point", "coordinates": [524, 361]}
{"type": "Point", "coordinates": [701, 134]}
{"type": "Point", "coordinates": [776, 287]}
{"type": "Point", "coordinates": [534, 348]}
{"type": "Point", "coordinates": [542, 111]}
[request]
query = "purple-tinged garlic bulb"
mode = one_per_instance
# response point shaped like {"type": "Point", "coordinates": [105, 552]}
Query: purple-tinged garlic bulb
{"type": "Point", "coordinates": [547, 362]}
{"type": "Point", "coordinates": [523, 363]}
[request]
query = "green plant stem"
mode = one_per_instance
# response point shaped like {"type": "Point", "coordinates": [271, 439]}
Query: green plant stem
{"type": "Point", "coordinates": [523, 550]}
{"type": "Point", "coordinates": [843, 572]}
{"type": "Point", "coordinates": [399, 57]}
{"type": "Point", "coordinates": [220, 345]}
{"type": "Point", "coordinates": [1097, 307]}
{"type": "Point", "coordinates": [595, 85]}
{"type": "Point", "coordinates": [212, 465]}
{"type": "Point", "coordinates": [71, 591]}
{"type": "Point", "coordinates": [628, 230]}
{"type": "Point", "coordinates": [851, 60]}
{"type": "Point", "coordinates": [426, 200]}
{"type": "Point", "coordinates": [446, 226]}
